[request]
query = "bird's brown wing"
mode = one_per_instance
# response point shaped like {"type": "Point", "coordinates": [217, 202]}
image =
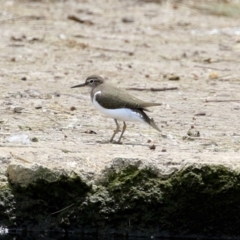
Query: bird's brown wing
{"type": "Point", "coordinates": [112, 98]}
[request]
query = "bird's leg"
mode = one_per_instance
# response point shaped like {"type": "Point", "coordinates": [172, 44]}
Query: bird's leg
{"type": "Point", "coordinates": [115, 131]}
{"type": "Point", "coordinates": [123, 130]}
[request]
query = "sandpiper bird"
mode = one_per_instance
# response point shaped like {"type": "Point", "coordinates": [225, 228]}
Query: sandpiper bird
{"type": "Point", "coordinates": [116, 103]}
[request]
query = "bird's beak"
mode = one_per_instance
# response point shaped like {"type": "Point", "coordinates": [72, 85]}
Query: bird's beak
{"type": "Point", "coordinates": [80, 85]}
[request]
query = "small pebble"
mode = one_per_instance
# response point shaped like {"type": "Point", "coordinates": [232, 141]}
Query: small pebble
{"type": "Point", "coordinates": [174, 78]}
{"type": "Point", "coordinates": [73, 108]}
{"type": "Point", "coordinates": [90, 132]}
{"type": "Point", "coordinates": [34, 139]}
{"type": "Point", "coordinates": [200, 114]}
{"type": "Point", "coordinates": [17, 110]}
{"type": "Point", "coordinates": [62, 36]}
{"type": "Point", "coordinates": [152, 147]}
{"type": "Point", "coordinates": [38, 106]}
{"type": "Point", "coordinates": [193, 133]}
{"type": "Point", "coordinates": [213, 75]}
{"type": "Point", "coordinates": [56, 94]}
{"type": "Point", "coordinates": [127, 20]}
{"type": "Point", "coordinates": [25, 128]}
{"type": "Point", "coordinates": [32, 93]}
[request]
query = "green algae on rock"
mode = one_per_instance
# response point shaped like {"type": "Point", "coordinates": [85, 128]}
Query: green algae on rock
{"type": "Point", "coordinates": [200, 200]}
{"type": "Point", "coordinates": [204, 200]}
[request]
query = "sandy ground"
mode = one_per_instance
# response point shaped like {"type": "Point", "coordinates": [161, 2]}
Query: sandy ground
{"type": "Point", "coordinates": [44, 52]}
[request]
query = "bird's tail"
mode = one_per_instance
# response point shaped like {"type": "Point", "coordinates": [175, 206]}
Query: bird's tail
{"type": "Point", "coordinates": [153, 124]}
{"type": "Point", "coordinates": [149, 120]}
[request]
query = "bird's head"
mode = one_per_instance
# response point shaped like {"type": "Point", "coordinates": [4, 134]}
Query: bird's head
{"type": "Point", "coordinates": [92, 81]}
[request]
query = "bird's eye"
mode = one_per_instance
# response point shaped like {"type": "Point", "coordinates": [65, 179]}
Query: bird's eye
{"type": "Point", "coordinates": [91, 81]}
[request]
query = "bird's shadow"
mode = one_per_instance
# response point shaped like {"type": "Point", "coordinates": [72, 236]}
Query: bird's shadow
{"type": "Point", "coordinates": [122, 143]}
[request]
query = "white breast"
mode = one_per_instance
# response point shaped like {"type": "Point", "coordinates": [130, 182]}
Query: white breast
{"type": "Point", "coordinates": [121, 114]}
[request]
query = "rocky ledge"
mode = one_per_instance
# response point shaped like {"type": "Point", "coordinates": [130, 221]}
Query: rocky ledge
{"type": "Point", "coordinates": [129, 197]}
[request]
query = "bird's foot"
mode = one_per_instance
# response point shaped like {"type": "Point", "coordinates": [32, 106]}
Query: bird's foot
{"type": "Point", "coordinates": [103, 142]}
{"type": "Point", "coordinates": [109, 141]}
{"type": "Point", "coordinates": [117, 142]}
{"type": "Point", "coordinates": [114, 142]}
